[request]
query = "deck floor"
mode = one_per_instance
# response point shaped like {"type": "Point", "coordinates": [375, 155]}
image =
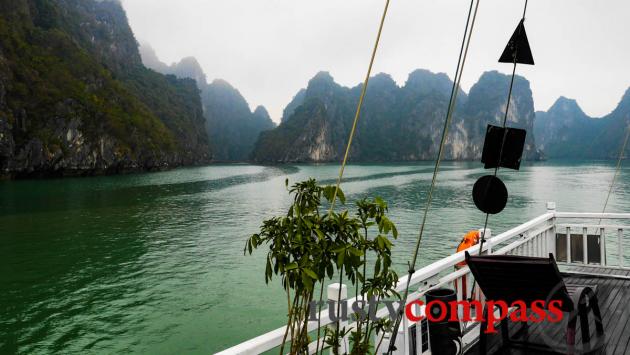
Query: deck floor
{"type": "Point", "coordinates": [593, 269]}
{"type": "Point", "coordinates": [614, 301]}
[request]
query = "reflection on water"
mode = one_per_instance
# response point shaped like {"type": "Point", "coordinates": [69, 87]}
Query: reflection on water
{"type": "Point", "coordinates": [153, 263]}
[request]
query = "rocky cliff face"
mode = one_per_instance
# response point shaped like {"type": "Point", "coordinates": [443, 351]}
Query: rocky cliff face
{"type": "Point", "coordinates": [397, 123]}
{"type": "Point", "coordinates": [232, 127]}
{"type": "Point", "coordinates": [76, 100]}
{"type": "Point", "coordinates": [609, 140]}
{"type": "Point", "coordinates": [230, 124]}
{"type": "Point", "coordinates": [565, 131]}
{"type": "Point", "coordinates": [187, 67]}
{"type": "Point", "coordinates": [297, 100]}
{"type": "Point", "coordinates": [486, 105]}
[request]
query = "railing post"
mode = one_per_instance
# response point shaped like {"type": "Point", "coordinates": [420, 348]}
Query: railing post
{"type": "Point", "coordinates": [487, 234]}
{"type": "Point", "coordinates": [333, 296]}
{"type": "Point", "coordinates": [602, 247]}
{"type": "Point", "coordinates": [585, 245]}
{"type": "Point", "coordinates": [551, 233]}
{"type": "Point", "coordinates": [620, 247]}
{"type": "Point", "coordinates": [569, 256]}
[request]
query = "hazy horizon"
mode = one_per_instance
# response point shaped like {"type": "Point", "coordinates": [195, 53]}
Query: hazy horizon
{"type": "Point", "coordinates": [269, 50]}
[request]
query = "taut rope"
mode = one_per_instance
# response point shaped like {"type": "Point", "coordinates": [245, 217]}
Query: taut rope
{"type": "Point", "coordinates": [359, 106]}
{"type": "Point", "coordinates": [463, 52]}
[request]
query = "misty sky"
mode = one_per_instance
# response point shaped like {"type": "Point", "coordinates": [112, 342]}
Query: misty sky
{"type": "Point", "coordinates": [269, 49]}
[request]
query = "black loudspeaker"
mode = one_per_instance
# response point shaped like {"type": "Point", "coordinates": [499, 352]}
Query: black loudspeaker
{"type": "Point", "coordinates": [503, 147]}
{"type": "Point", "coordinates": [445, 337]}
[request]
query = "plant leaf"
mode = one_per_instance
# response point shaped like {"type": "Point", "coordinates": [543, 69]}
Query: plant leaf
{"type": "Point", "coordinates": [329, 271]}
{"type": "Point", "coordinates": [319, 233]}
{"type": "Point", "coordinates": [310, 273]}
{"type": "Point", "coordinates": [340, 257]}
{"type": "Point", "coordinates": [291, 266]}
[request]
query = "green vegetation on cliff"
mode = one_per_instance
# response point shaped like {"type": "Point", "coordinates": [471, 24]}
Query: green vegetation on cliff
{"type": "Point", "coordinates": [76, 99]}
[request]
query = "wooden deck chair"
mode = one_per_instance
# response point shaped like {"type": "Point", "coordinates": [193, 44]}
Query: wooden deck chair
{"type": "Point", "coordinates": [512, 278]}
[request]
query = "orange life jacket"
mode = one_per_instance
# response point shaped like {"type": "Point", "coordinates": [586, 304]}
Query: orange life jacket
{"type": "Point", "coordinates": [471, 238]}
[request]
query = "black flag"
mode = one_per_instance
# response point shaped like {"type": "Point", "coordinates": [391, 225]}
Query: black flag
{"type": "Point", "coordinates": [518, 47]}
{"type": "Point", "coordinates": [503, 147]}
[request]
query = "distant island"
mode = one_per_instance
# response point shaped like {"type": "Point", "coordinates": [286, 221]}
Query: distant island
{"type": "Point", "coordinates": [80, 96]}
{"type": "Point", "coordinates": [565, 131]}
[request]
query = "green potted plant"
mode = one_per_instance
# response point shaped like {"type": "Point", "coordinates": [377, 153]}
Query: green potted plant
{"type": "Point", "coordinates": [307, 248]}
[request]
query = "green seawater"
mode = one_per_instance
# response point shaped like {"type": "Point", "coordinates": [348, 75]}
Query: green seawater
{"type": "Point", "coordinates": [153, 263]}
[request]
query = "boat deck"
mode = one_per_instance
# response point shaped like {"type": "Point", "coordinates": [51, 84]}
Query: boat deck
{"type": "Point", "coordinates": [609, 269]}
{"type": "Point", "coordinates": [596, 270]}
{"type": "Point", "coordinates": [613, 292]}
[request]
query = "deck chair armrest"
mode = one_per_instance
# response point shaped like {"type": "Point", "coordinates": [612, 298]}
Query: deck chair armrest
{"type": "Point", "coordinates": [580, 293]}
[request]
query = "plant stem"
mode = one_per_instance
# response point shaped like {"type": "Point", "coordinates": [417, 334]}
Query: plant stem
{"type": "Point", "coordinates": [296, 339]}
{"type": "Point", "coordinates": [338, 309]}
{"type": "Point", "coordinates": [297, 323]}
{"type": "Point", "coordinates": [360, 322]}
{"type": "Point", "coordinates": [379, 343]}
{"type": "Point", "coordinates": [369, 326]}
{"type": "Point", "coordinates": [304, 335]}
{"type": "Point", "coordinates": [294, 335]}
{"type": "Point", "coordinates": [319, 317]}
{"type": "Point", "coordinates": [286, 330]}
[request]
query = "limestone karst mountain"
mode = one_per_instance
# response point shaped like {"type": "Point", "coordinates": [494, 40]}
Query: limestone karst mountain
{"type": "Point", "coordinates": [565, 131]}
{"type": "Point", "coordinates": [397, 123]}
{"type": "Point", "coordinates": [75, 98]}
{"type": "Point", "coordinates": [232, 127]}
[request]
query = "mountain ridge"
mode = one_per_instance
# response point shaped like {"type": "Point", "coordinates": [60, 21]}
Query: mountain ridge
{"type": "Point", "coordinates": [567, 132]}
{"type": "Point", "coordinates": [230, 124]}
{"type": "Point", "coordinates": [398, 123]}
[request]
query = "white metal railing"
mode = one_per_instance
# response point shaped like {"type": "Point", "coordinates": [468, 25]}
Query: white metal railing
{"type": "Point", "coordinates": [538, 237]}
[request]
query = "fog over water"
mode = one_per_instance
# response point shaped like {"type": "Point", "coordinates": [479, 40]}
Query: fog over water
{"type": "Point", "coordinates": [270, 49]}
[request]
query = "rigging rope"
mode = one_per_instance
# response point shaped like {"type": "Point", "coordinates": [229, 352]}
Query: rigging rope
{"type": "Point", "coordinates": [359, 106]}
{"type": "Point", "coordinates": [505, 116]}
{"type": "Point", "coordinates": [463, 52]}
{"type": "Point", "coordinates": [617, 169]}
{"type": "Point", "coordinates": [352, 131]}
